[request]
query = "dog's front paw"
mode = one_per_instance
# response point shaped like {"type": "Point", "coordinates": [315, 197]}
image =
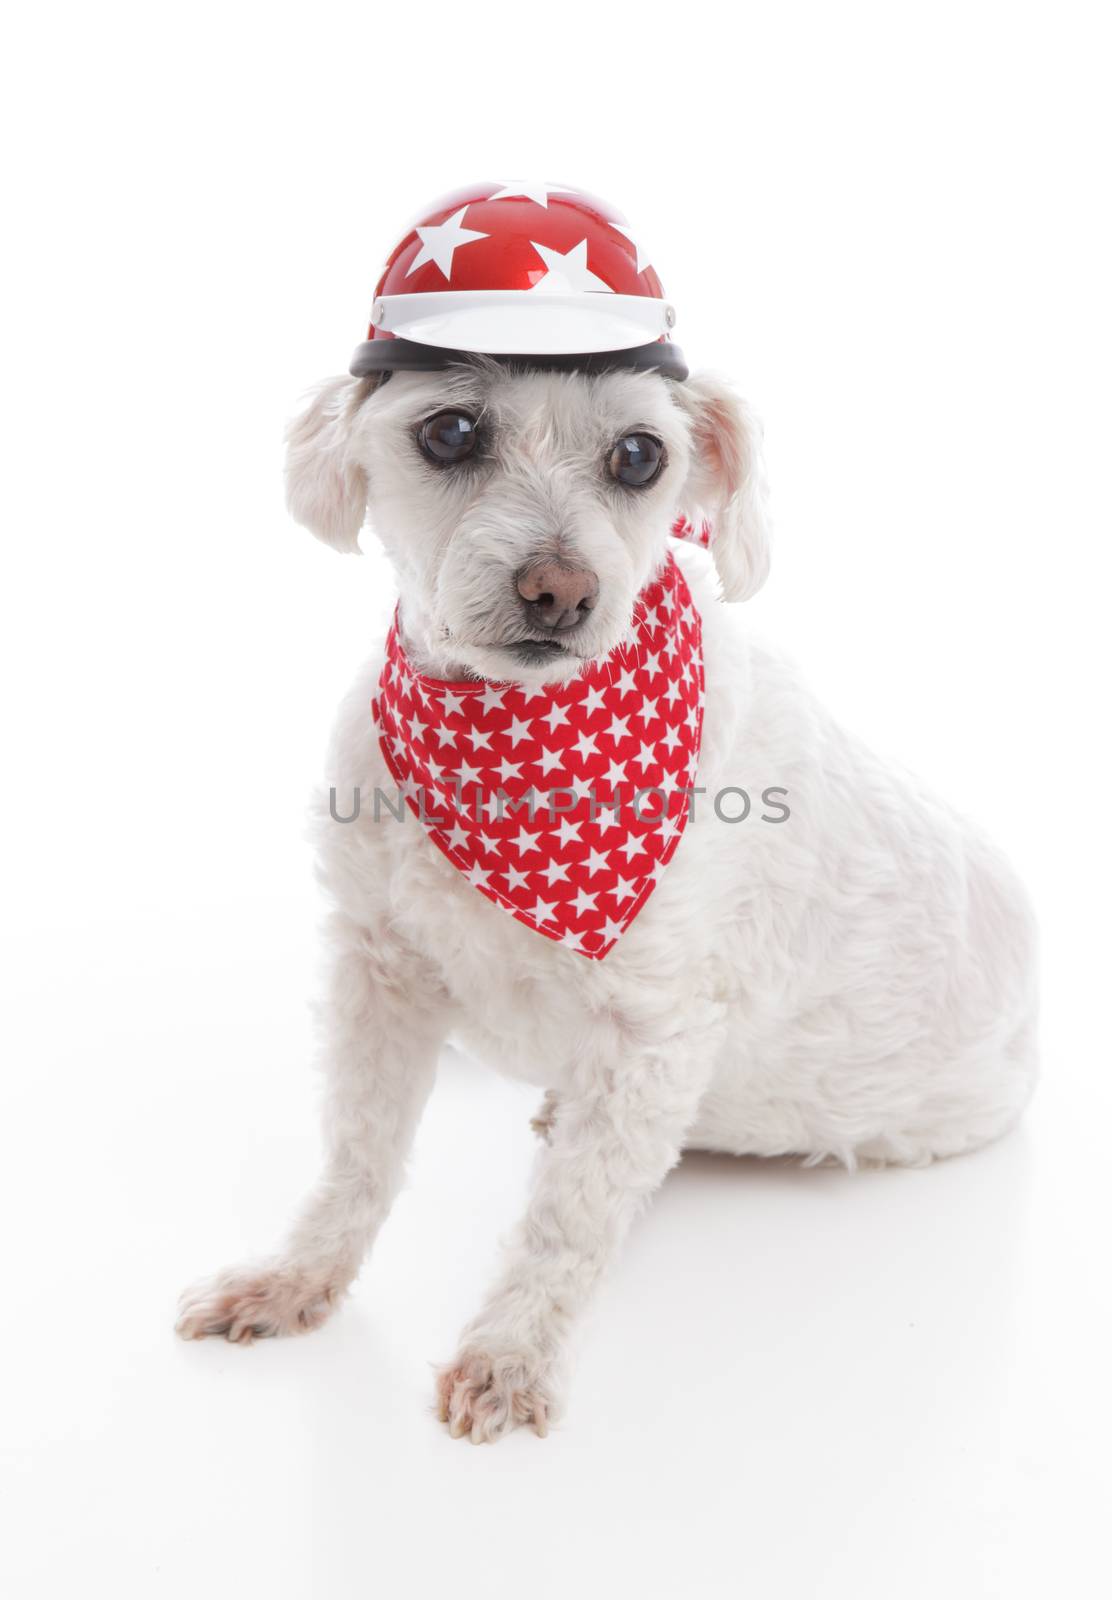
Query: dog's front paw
{"type": "Point", "coordinates": [259, 1303]}
{"type": "Point", "coordinates": [481, 1397]}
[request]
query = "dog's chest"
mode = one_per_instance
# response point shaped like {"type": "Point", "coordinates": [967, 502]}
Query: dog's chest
{"type": "Point", "coordinates": [518, 999]}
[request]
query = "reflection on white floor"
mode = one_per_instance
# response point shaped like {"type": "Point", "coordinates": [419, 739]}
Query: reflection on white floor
{"type": "Point", "coordinates": [797, 1383]}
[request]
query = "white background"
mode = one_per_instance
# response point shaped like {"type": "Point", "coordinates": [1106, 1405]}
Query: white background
{"type": "Point", "coordinates": [890, 225]}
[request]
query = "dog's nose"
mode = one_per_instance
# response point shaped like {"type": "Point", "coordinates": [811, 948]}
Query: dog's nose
{"type": "Point", "coordinates": [557, 595]}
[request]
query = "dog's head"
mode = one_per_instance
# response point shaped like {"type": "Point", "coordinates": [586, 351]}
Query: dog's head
{"type": "Point", "coordinates": [524, 510]}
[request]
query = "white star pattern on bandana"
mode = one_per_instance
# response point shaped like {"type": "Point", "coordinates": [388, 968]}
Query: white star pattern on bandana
{"type": "Point", "coordinates": [530, 800]}
{"type": "Point", "coordinates": [440, 243]}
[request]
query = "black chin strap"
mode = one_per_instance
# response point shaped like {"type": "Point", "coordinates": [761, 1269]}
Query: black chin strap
{"type": "Point", "coordinates": [380, 357]}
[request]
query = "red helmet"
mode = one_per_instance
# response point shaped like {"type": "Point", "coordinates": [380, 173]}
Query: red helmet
{"type": "Point", "coordinates": [538, 272]}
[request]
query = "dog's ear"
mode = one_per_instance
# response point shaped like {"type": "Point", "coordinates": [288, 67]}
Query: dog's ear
{"type": "Point", "coordinates": [326, 488]}
{"type": "Point", "coordinates": [727, 482]}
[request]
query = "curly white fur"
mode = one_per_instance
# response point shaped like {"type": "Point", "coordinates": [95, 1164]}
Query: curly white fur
{"type": "Point", "coordinates": [856, 983]}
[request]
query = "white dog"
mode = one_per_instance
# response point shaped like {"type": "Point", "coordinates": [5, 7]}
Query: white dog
{"type": "Point", "coordinates": [856, 983]}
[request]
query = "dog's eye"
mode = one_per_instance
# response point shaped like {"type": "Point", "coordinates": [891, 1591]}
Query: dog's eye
{"type": "Point", "coordinates": [636, 459]}
{"type": "Point", "coordinates": [449, 436]}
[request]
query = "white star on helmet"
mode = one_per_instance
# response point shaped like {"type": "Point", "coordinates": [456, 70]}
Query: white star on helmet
{"type": "Point", "coordinates": [643, 258]}
{"type": "Point", "coordinates": [567, 272]}
{"type": "Point", "coordinates": [440, 243]}
{"type": "Point", "coordinates": [523, 189]}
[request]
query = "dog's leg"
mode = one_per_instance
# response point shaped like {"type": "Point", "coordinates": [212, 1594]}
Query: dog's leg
{"type": "Point", "coordinates": [618, 1128]}
{"type": "Point", "coordinates": [383, 1027]}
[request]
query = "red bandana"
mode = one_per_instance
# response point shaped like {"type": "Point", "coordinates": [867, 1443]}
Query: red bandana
{"type": "Point", "coordinates": [564, 804]}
